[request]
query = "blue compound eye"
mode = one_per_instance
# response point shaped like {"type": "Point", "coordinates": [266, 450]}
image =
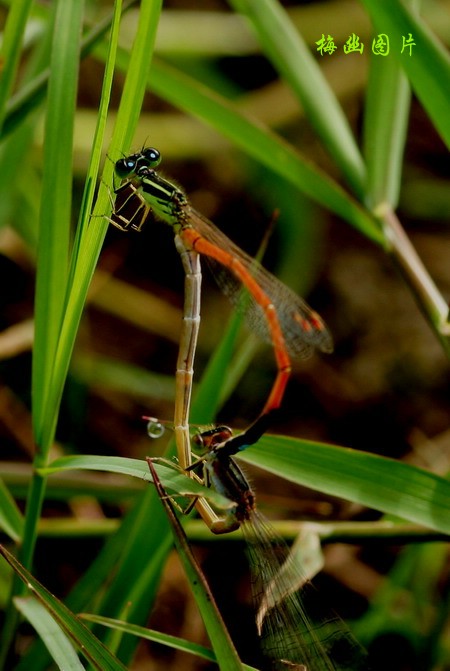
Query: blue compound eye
{"type": "Point", "coordinates": [151, 156]}
{"type": "Point", "coordinates": [125, 166]}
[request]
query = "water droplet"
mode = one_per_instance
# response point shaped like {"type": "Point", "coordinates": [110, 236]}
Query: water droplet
{"type": "Point", "coordinates": [155, 429]}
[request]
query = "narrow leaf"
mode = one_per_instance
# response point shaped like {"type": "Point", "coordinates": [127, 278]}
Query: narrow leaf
{"type": "Point", "coordinates": [173, 479]}
{"type": "Point", "coordinates": [11, 49]}
{"type": "Point", "coordinates": [56, 641]}
{"type": "Point", "coordinates": [77, 632]}
{"type": "Point", "coordinates": [294, 61]}
{"type": "Point", "coordinates": [158, 637]}
{"type": "Point", "coordinates": [55, 215]}
{"type": "Point", "coordinates": [217, 632]}
{"type": "Point", "coordinates": [377, 482]}
{"type": "Point", "coordinates": [11, 520]}
{"type": "Point", "coordinates": [428, 66]}
{"type": "Point", "coordinates": [385, 126]}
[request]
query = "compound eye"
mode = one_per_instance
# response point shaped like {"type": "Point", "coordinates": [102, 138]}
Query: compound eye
{"type": "Point", "coordinates": [125, 166]}
{"type": "Point", "coordinates": [152, 156]}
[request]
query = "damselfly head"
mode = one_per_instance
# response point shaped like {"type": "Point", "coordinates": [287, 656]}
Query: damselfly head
{"type": "Point", "coordinates": [129, 165]}
{"type": "Point", "coordinates": [213, 437]}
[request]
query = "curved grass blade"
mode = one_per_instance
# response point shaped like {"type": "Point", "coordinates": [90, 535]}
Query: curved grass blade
{"type": "Point", "coordinates": [377, 482]}
{"type": "Point", "coordinates": [99, 656]}
{"type": "Point", "coordinates": [55, 216]}
{"type": "Point", "coordinates": [171, 477]}
{"type": "Point", "coordinates": [217, 632]}
{"type": "Point", "coordinates": [286, 50]}
{"type": "Point", "coordinates": [158, 637]}
{"type": "Point", "coordinates": [56, 641]}
{"type": "Point", "coordinates": [32, 94]}
{"type": "Point", "coordinates": [11, 519]}
{"type": "Point", "coordinates": [134, 557]}
{"type": "Point", "coordinates": [428, 67]}
{"type": "Point", "coordinates": [53, 251]}
{"type": "Point", "coordinates": [11, 49]}
{"type": "Point", "coordinates": [385, 126]}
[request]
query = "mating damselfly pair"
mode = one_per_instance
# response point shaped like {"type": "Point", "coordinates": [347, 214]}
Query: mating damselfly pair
{"type": "Point", "coordinates": [273, 310]}
{"type": "Point", "coordinates": [298, 632]}
{"type": "Point", "coordinates": [294, 330]}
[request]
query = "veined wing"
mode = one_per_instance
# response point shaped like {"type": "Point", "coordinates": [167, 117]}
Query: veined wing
{"type": "Point", "coordinates": [302, 327]}
{"type": "Point", "coordinates": [298, 630]}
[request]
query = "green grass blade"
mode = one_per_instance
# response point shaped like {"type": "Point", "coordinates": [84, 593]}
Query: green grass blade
{"type": "Point", "coordinates": [53, 249]}
{"type": "Point", "coordinates": [295, 63]}
{"type": "Point", "coordinates": [83, 595]}
{"type": "Point", "coordinates": [173, 479]}
{"type": "Point", "coordinates": [144, 558]}
{"type": "Point", "coordinates": [57, 643]}
{"type": "Point", "coordinates": [88, 251]}
{"type": "Point", "coordinates": [11, 50]}
{"type": "Point", "coordinates": [11, 520]}
{"type": "Point", "coordinates": [133, 559]}
{"type": "Point", "coordinates": [158, 637]}
{"type": "Point", "coordinates": [152, 635]}
{"type": "Point", "coordinates": [142, 548]}
{"type": "Point", "coordinates": [53, 237]}
{"type": "Point", "coordinates": [134, 556]}
{"type": "Point", "coordinates": [217, 632]}
{"type": "Point", "coordinates": [385, 126]}
{"type": "Point", "coordinates": [377, 482]}
{"type": "Point", "coordinates": [54, 228]}
{"type": "Point", "coordinates": [77, 632]}
{"type": "Point", "coordinates": [140, 595]}
{"type": "Point", "coordinates": [19, 179]}
{"type": "Point", "coordinates": [96, 155]}
{"type": "Point", "coordinates": [32, 94]}
{"type": "Point", "coordinates": [175, 482]}
{"type": "Point", "coordinates": [428, 68]}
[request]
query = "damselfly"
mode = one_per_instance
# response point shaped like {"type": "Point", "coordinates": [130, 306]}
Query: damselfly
{"type": "Point", "coordinates": [297, 631]}
{"type": "Point", "coordinates": [273, 311]}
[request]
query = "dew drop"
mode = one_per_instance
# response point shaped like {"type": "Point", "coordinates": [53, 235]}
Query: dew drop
{"type": "Point", "coordinates": [155, 429]}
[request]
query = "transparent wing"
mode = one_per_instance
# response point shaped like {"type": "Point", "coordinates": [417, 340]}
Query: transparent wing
{"type": "Point", "coordinates": [297, 629]}
{"type": "Point", "coordinates": [302, 327]}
